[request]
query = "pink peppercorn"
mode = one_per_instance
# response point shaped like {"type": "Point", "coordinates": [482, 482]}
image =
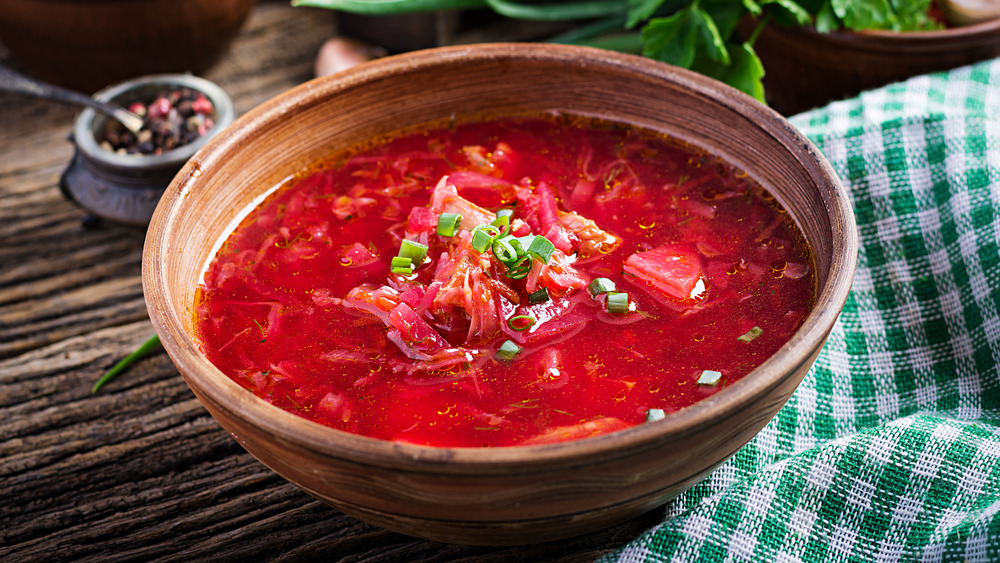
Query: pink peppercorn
{"type": "Point", "coordinates": [159, 108]}
{"type": "Point", "coordinates": [202, 105]}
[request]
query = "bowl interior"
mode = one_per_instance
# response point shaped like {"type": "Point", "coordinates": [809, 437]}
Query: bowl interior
{"type": "Point", "coordinates": [288, 134]}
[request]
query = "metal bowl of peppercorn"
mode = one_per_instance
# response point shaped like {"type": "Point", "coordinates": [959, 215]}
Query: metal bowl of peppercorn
{"type": "Point", "coordinates": [119, 176]}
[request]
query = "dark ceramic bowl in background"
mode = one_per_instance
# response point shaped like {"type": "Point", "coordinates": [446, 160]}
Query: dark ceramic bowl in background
{"type": "Point", "coordinates": [88, 44]}
{"type": "Point", "coordinates": [492, 496]}
{"type": "Point", "coordinates": [806, 69]}
{"type": "Point", "coordinates": [126, 188]}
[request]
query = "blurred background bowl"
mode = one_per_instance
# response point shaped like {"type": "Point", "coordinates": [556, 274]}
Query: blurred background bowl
{"type": "Point", "coordinates": [89, 44]}
{"type": "Point", "coordinates": [807, 69]}
{"type": "Point", "coordinates": [492, 496]}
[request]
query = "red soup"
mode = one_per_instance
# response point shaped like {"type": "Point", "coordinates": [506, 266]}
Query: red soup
{"type": "Point", "coordinates": [507, 282]}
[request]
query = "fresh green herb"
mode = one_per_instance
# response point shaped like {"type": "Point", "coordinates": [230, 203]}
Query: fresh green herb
{"type": "Point", "coordinates": [401, 265]}
{"type": "Point", "coordinates": [700, 35]}
{"type": "Point", "coordinates": [599, 286]}
{"type": "Point", "coordinates": [147, 347]}
{"type": "Point", "coordinates": [508, 350]}
{"type": "Point", "coordinates": [448, 224]}
{"type": "Point", "coordinates": [617, 302]}
{"type": "Point", "coordinates": [540, 296]}
{"type": "Point", "coordinates": [538, 247]}
{"type": "Point", "coordinates": [481, 240]}
{"type": "Point", "coordinates": [414, 251]}
{"type": "Point", "coordinates": [710, 378]}
{"type": "Point", "coordinates": [520, 322]}
{"type": "Point", "coordinates": [751, 334]}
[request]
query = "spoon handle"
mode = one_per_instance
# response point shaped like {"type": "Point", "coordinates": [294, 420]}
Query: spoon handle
{"type": "Point", "coordinates": [17, 83]}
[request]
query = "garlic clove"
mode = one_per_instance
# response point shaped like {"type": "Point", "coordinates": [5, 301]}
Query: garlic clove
{"type": "Point", "coordinates": [968, 12]}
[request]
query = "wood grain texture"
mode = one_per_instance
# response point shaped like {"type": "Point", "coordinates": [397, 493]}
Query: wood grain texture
{"type": "Point", "coordinates": [140, 471]}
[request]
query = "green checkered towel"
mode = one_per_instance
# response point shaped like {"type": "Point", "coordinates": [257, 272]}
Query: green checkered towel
{"type": "Point", "coordinates": [890, 448]}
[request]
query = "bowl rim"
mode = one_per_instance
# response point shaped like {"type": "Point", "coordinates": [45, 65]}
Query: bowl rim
{"type": "Point", "coordinates": [293, 429]}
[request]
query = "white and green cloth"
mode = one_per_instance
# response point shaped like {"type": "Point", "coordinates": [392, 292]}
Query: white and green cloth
{"type": "Point", "coordinates": [890, 448]}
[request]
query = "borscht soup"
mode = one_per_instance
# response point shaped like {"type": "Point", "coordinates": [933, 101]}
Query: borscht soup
{"type": "Point", "coordinates": [504, 282]}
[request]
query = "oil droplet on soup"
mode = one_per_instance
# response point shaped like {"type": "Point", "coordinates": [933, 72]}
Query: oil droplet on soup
{"type": "Point", "coordinates": [507, 282]}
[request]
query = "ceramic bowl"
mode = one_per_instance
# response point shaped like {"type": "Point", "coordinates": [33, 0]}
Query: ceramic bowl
{"type": "Point", "coordinates": [126, 188]}
{"type": "Point", "coordinates": [495, 496]}
{"type": "Point", "coordinates": [806, 69]}
{"type": "Point", "coordinates": [88, 44]}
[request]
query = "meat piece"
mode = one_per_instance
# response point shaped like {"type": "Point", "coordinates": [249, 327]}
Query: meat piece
{"type": "Point", "coordinates": [674, 271]}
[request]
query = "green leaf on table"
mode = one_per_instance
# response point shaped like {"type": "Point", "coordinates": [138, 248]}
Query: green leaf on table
{"type": "Point", "coordinates": [383, 7]}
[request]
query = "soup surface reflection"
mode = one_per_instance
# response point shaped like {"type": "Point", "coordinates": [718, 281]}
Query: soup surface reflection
{"type": "Point", "coordinates": [506, 282]}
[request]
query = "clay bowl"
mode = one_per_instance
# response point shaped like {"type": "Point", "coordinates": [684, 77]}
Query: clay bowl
{"type": "Point", "coordinates": [89, 44]}
{"type": "Point", "coordinates": [806, 69]}
{"type": "Point", "coordinates": [493, 496]}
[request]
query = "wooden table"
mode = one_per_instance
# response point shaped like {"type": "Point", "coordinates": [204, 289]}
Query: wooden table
{"type": "Point", "coordinates": [140, 471]}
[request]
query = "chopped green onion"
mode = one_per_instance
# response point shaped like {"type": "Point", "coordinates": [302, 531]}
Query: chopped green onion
{"type": "Point", "coordinates": [600, 285]}
{"type": "Point", "coordinates": [617, 302]}
{"type": "Point", "coordinates": [503, 250]}
{"type": "Point", "coordinates": [541, 248]}
{"type": "Point", "coordinates": [710, 377]}
{"type": "Point", "coordinates": [492, 230]}
{"type": "Point", "coordinates": [481, 240]}
{"type": "Point", "coordinates": [655, 414]}
{"type": "Point", "coordinates": [402, 262]}
{"type": "Point", "coordinates": [124, 363]}
{"type": "Point", "coordinates": [505, 213]}
{"type": "Point", "coordinates": [448, 224]}
{"type": "Point", "coordinates": [508, 350]}
{"type": "Point", "coordinates": [520, 268]}
{"type": "Point", "coordinates": [750, 334]}
{"type": "Point", "coordinates": [413, 250]}
{"type": "Point", "coordinates": [401, 271]}
{"type": "Point", "coordinates": [501, 221]}
{"type": "Point", "coordinates": [521, 322]}
{"type": "Point", "coordinates": [540, 296]}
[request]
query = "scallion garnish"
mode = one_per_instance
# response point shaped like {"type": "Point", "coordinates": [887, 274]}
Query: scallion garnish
{"type": "Point", "coordinates": [147, 346]}
{"type": "Point", "coordinates": [508, 350]}
{"type": "Point", "coordinates": [655, 414]}
{"type": "Point", "coordinates": [520, 268]}
{"type": "Point", "coordinates": [600, 285]}
{"type": "Point", "coordinates": [540, 248]}
{"type": "Point", "coordinates": [750, 334]}
{"type": "Point", "coordinates": [448, 224]}
{"type": "Point", "coordinates": [617, 303]}
{"type": "Point", "coordinates": [540, 296]}
{"type": "Point", "coordinates": [501, 221]}
{"type": "Point", "coordinates": [413, 250]}
{"type": "Point", "coordinates": [503, 250]}
{"type": "Point", "coordinates": [710, 377]}
{"type": "Point", "coordinates": [401, 265]}
{"type": "Point", "coordinates": [505, 213]}
{"type": "Point", "coordinates": [481, 240]}
{"type": "Point", "coordinates": [520, 322]}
